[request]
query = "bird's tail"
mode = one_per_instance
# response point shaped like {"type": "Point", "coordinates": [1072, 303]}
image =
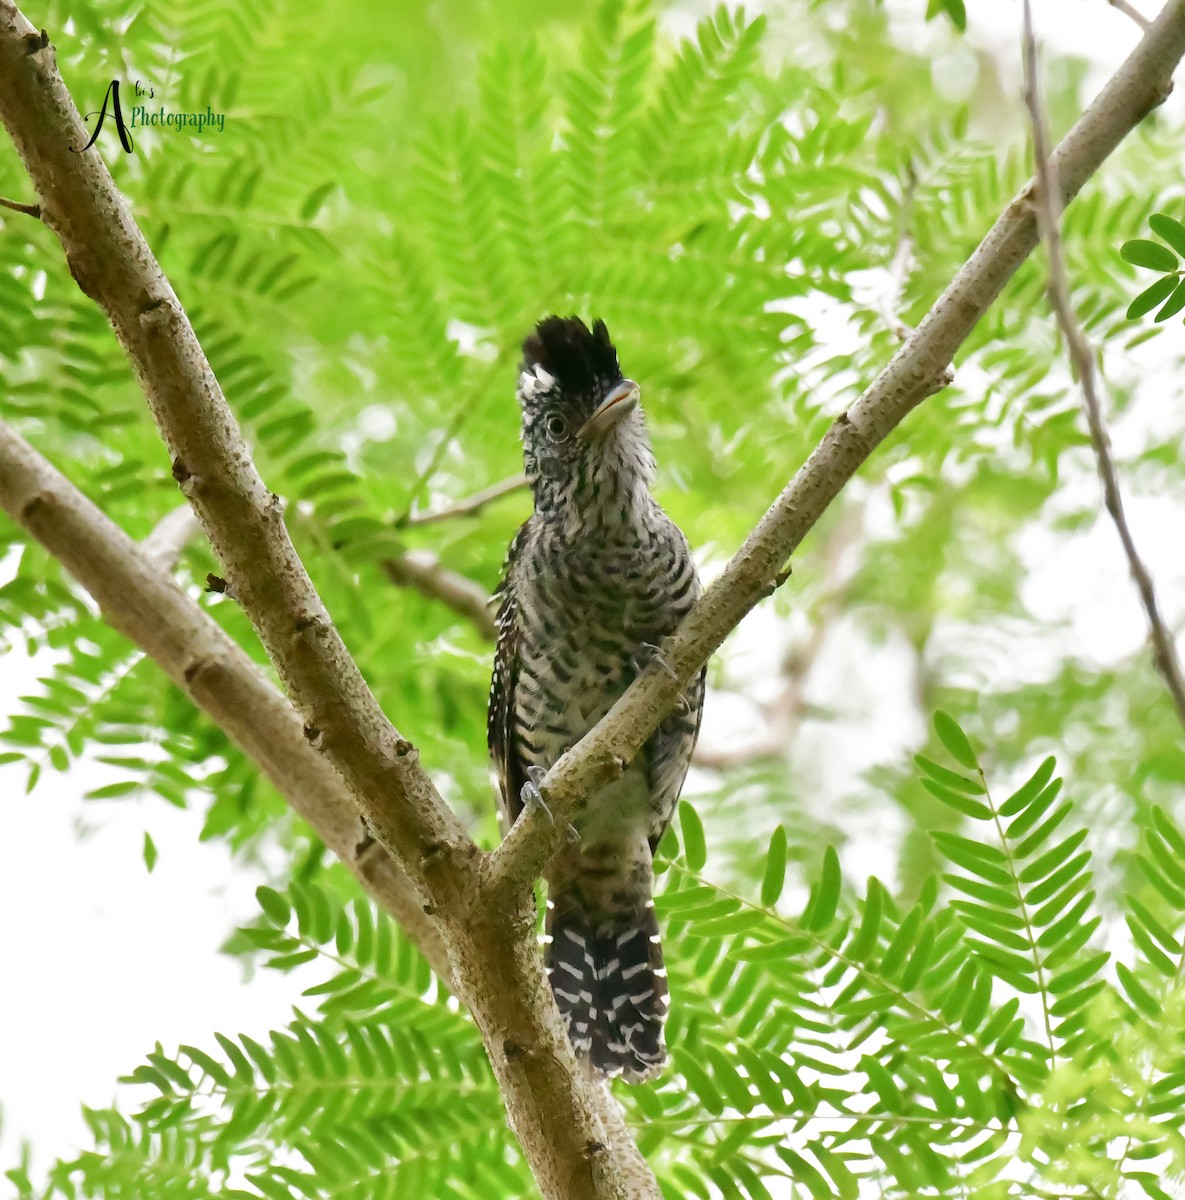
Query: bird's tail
{"type": "Point", "coordinates": [610, 985]}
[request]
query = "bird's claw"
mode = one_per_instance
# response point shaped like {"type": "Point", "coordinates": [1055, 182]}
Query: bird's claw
{"type": "Point", "coordinates": [531, 795]}
{"type": "Point", "coordinates": [648, 653]}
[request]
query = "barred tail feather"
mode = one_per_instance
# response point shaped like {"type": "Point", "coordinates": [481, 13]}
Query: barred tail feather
{"type": "Point", "coordinates": [610, 985]}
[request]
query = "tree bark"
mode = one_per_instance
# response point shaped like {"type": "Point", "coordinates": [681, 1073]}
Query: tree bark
{"type": "Point", "coordinates": [152, 610]}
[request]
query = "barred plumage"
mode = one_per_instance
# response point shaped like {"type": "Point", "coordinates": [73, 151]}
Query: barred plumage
{"type": "Point", "coordinates": [594, 580]}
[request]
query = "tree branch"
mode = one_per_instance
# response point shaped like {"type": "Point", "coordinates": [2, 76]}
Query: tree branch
{"type": "Point", "coordinates": [783, 714]}
{"type": "Point", "coordinates": [1164, 653]}
{"type": "Point", "coordinates": [890, 303]}
{"type": "Point", "coordinates": [569, 1127]}
{"type": "Point", "coordinates": [113, 264]}
{"type": "Point", "coordinates": [171, 534]}
{"type": "Point", "coordinates": [470, 506]}
{"type": "Point", "coordinates": [30, 210]}
{"type": "Point", "coordinates": [1130, 10]}
{"type": "Point", "coordinates": [423, 571]}
{"type": "Point", "coordinates": [146, 605]}
{"type": "Point", "coordinates": [915, 372]}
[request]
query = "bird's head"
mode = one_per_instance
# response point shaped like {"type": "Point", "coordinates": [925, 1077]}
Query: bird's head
{"type": "Point", "coordinates": [585, 447]}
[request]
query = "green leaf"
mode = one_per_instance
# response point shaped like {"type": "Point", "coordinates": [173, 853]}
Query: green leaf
{"type": "Point", "coordinates": [149, 852]}
{"type": "Point", "coordinates": [111, 790]}
{"type": "Point", "coordinates": [955, 740]}
{"type": "Point", "coordinates": [1141, 252]}
{"type": "Point", "coordinates": [695, 846]}
{"type": "Point", "coordinates": [949, 778]}
{"type": "Point", "coordinates": [1174, 304]}
{"type": "Point", "coordinates": [316, 198]}
{"type": "Point", "coordinates": [1137, 993]}
{"type": "Point", "coordinates": [1019, 826]}
{"type": "Point", "coordinates": [987, 862]}
{"type": "Point", "coordinates": [1030, 789]}
{"type": "Point", "coordinates": [1169, 230]}
{"type": "Point", "coordinates": [774, 878]}
{"type": "Point", "coordinates": [242, 1066]}
{"type": "Point", "coordinates": [865, 940]}
{"type": "Point", "coordinates": [210, 1065]}
{"type": "Point", "coordinates": [1038, 837]}
{"type": "Point", "coordinates": [824, 901]}
{"type": "Point", "coordinates": [1150, 297]}
{"type": "Point", "coordinates": [1167, 830]}
{"type": "Point", "coordinates": [1150, 1183]}
{"type": "Point", "coordinates": [902, 943]}
{"type": "Point", "coordinates": [956, 10]}
{"type": "Point", "coordinates": [275, 906]}
{"type": "Point", "coordinates": [960, 803]}
{"type": "Point", "coordinates": [1039, 868]}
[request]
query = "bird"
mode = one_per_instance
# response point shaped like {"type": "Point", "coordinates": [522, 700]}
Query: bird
{"type": "Point", "coordinates": [594, 580]}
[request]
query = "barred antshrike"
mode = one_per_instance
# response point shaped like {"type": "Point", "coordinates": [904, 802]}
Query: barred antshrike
{"type": "Point", "coordinates": [595, 579]}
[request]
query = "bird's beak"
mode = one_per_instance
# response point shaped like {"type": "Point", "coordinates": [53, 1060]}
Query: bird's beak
{"type": "Point", "coordinates": [617, 405]}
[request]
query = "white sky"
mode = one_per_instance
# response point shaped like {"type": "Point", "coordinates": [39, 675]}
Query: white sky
{"type": "Point", "coordinates": [99, 959]}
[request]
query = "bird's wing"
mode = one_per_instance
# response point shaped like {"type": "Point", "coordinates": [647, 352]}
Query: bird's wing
{"type": "Point", "coordinates": [670, 746]}
{"type": "Point", "coordinates": [500, 727]}
{"type": "Point", "coordinates": [669, 755]}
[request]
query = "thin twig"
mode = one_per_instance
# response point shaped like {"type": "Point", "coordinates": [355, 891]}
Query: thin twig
{"type": "Point", "coordinates": [902, 254]}
{"type": "Point", "coordinates": [470, 506]}
{"type": "Point", "coordinates": [1164, 653]}
{"type": "Point", "coordinates": [1130, 10]}
{"type": "Point", "coordinates": [422, 571]}
{"type": "Point", "coordinates": [30, 210]}
{"type": "Point", "coordinates": [171, 534]}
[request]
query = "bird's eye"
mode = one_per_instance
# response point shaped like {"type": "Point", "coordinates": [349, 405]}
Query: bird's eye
{"type": "Point", "coordinates": [557, 427]}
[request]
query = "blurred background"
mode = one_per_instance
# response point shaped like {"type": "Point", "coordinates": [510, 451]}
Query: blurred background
{"type": "Point", "coordinates": [756, 204]}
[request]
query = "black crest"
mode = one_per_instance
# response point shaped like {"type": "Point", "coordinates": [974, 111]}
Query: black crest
{"type": "Point", "coordinates": [577, 358]}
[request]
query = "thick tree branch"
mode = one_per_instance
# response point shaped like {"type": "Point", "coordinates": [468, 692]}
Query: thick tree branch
{"type": "Point", "coordinates": [915, 372]}
{"type": "Point", "coordinates": [1164, 652]}
{"type": "Point", "coordinates": [570, 1128]}
{"type": "Point", "coordinates": [113, 264]}
{"type": "Point", "coordinates": [144, 603]}
{"type": "Point", "coordinates": [150, 608]}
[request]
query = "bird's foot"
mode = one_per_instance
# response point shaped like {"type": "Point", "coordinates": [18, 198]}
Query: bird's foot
{"type": "Point", "coordinates": [531, 796]}
{"type": "Point", "coordinates": [530, 793]}
{"type": "Point", "coordinates": [650, 652]}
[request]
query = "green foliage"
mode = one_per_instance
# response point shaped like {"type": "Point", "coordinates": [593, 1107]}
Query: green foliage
{"type": "Point", "coordinates": [956, 10]}
{"type": "Point", "coordinates": [999, 1010]}
{"type": "Point", "coordinates": [1158, 256]}
{"type": "Point", "coordinates": [928, 1046]}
